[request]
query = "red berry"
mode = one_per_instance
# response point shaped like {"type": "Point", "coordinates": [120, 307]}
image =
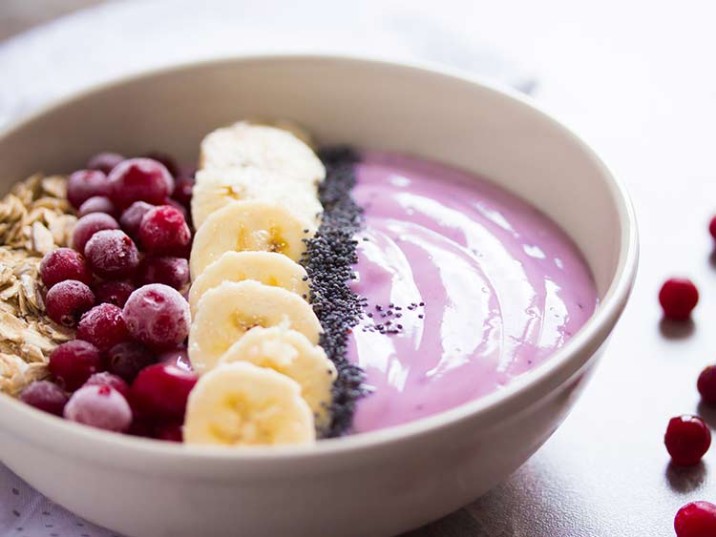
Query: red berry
{"type": "Point", "coordinates": [169, 432]}
{"type": "Point", "coordinates": [183, 191]}
{"type": "Point", "coordinates": [88, 226]}
{"type": "Point", "coordinates": [161, 391]}
{"type": "Point", "coordinates": [707, 385]}
{"type": "Point", "coordinates": [166, 160]}
{"type": "Point", "coordinates": [178, 357]}
{"type": "Point", "coordinates": [97, 204]}
{"type": "Point", "coordinates": [104, 162]}
{"type": "Point", "coordinates": [112, 254]}
{"type": "Point", "coordinates": [140, 179]}
{"type": "Point", "coordinates": [697, 519]}
{"type": "Point", "coordinates": [67, 301]}
{"type": "Point", "coordinates": [46, 396]}
{"type": "Point", "coordinates": [108, 379]}
{"type": "Point", "coordinates": [132, 217]}
{"type": "Point", "coordinates": [64, 264]}
{"type": "Point", "coordinates": [127, 359]}
{"type": "Point", "coordinates": [687, 439]}
{"type": "Point", "coordinates": [158, 316]}
{"type": "Point", "coordinates": [84, 184]}
{"type": "Point", "coordinates": [100, 406]}
{"type": "Point", "coordinates": [103, 326]}
{"type": "Point", "coordinates": [171, 271]}
{"type": "Point", "coordinates": [72, 363]}
{"type": "Point", "coordinates": [164, 230]}
{"type": "Point", "coordinates": [678, 298]}
{"type": "Point", "coordinates": [115, 293]}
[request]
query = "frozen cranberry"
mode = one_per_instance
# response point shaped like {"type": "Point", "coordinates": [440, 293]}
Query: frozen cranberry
{"type": "Point", "coordinates": [115, 293]}
{"type": "Point", "coordinates": [112, 254]}
{"type": "Point", "coordinates": [164, 230]}
{"type": "Point", "coordinates": [696, 519]}
{"type": "Point", "coordinates": [46, 396]}
{"type": "Point", "coordinates": [178, 357]}
{"type": "Point", "coordinates": [67, 301]}
{"type": "Point", "coordinates": [127, 359]}
{"type": "Point", "coordinates": [171, 271]}
{"type": "Point", "coordinates": [106, 378]}
{"type": "Point", "coordinates": [161, 391]}
{"type": "Point", "coordinates": [183, 210]}
{"type": "Point", "coordinates": [103, 326]}
{"type": "Point", "coordinates": [140, 179]}
{"type": "Point", "coordinates": [97, 204]}
{"type": "Point", "coordinates": [167, 160]}
{"type": "Point", "coordinates": [72, 363]}
{"type": "Point", "coordinates": [64, 264]}
{"type": "Point", "coordinates": [687, 439]}
{"type": "Point", "coordinates": [104, 162]}
{"type": "Point", "coordinates": [158, 316]}
{"type": "Point", "coordinates": [141, 427]}
{"type": "Point", "coordinates": [100, 406]}
{"type": "Point", "coordinates": [88, 226]}
{"type": "Point", "coordinates": [678, 298]}
{"type": "Point", "coordinates": [84, 184]}
{"type": "Point", "coordinates": [183, 192]}
{"type": "Point", "coordinates": [132, 217]}
{"type": "Point", "coordinates": [169, 432]}
{"type": "Point", "coordinates": [707, 385]}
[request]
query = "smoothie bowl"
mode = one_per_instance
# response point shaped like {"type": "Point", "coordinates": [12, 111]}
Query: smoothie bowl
{"type": "Point", "coordinates": [380, 292]}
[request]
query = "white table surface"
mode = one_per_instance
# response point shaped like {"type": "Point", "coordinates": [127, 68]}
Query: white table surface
{"type": "Point", "coordinates": [637, 80]}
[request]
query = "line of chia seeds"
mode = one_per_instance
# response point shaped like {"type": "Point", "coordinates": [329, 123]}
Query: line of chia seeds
{"type": "Point", "coordinates": [329, 259]}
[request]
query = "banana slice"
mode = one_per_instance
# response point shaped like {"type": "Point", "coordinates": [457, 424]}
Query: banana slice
{"type": "Point", "coordinates": [216, 188]}
{"type": "Point", "coordinates": [241, 404]}
{"type": "Point", "coordinates": [291, 354]}
{"type": "Point", "coordinates": [268, 268]}
{"type": "Point", "coordinates": [267, 148]}
{"type": "Point", "coordinates": [287, 125]}
{"type": "Point", "coordinates": [226, 312]}
{"type": "Point", "coordinates": [251, 226]}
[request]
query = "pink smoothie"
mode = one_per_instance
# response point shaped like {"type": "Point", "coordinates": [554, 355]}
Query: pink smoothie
{"type": "Point", "coordinates": [501, 287]}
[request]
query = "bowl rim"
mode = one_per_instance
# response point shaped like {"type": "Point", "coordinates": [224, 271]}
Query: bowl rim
{"type": "Point", "coordinates": [562, 364]}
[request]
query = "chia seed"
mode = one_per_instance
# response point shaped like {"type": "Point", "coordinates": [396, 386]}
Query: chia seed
{"type": "Point", "coordinates": [329, 259]}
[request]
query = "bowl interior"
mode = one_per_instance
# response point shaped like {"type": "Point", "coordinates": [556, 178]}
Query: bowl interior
{"type": "Point", "coordinates": [369, 104]}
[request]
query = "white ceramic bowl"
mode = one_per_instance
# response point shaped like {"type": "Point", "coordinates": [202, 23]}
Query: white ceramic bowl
{"type": "Point", "coordinates": [379, 483]}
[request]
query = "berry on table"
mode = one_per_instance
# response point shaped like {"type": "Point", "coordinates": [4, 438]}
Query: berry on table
{"type": "Point", "coordinates": [105, 378]}
{"type": "Point", "coordinates": [88, 226]}
{"type": "Point", "coordinates": [115, 293]}
{"type": "Point", "coordinates": [85, 184]}
{"type": "Point", "coordinates": [687, 440]}
{"type": "Point", "coordinates": [678, 297]}
{"type": "Point", "coordinates": [707, 385]}
{"type": "Point", "coordinates": [97, 204]}
{"type": "Point", "coordinates": [67, 301]}
{"type": "Point", "coordinates": [164, 230]}
{"type": "Point", "coordinates": [158, 316]}
{"type": "Point", "coordinates": [103, 326]}
{"type": "Point", "coordinates": [102, 407]}
{"type": "Point", "coordinates": [140, 179]}
{"type": "Point", "coordinates": [171, 271]}
{"type": "Point", "coordinates": [104, 162]}
{"type": "Point", "coordinates": [696, 519]}
{"type": "Point", "coordinates": [64, 264]}
{"type": "Point", "coordinates": [46, 396]}
{"type": "Point", "coordinates": [161, 391]}
{"type": "Point", "coordinates": [127, 359]}
{"type": "Point", "coordinates": [112, 254]}
{"type": "Point", "coordinates": [73, 362]}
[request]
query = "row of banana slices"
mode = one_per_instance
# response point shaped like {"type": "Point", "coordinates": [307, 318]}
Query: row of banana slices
{"type": "Point", "coordinates": [254, 337]}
